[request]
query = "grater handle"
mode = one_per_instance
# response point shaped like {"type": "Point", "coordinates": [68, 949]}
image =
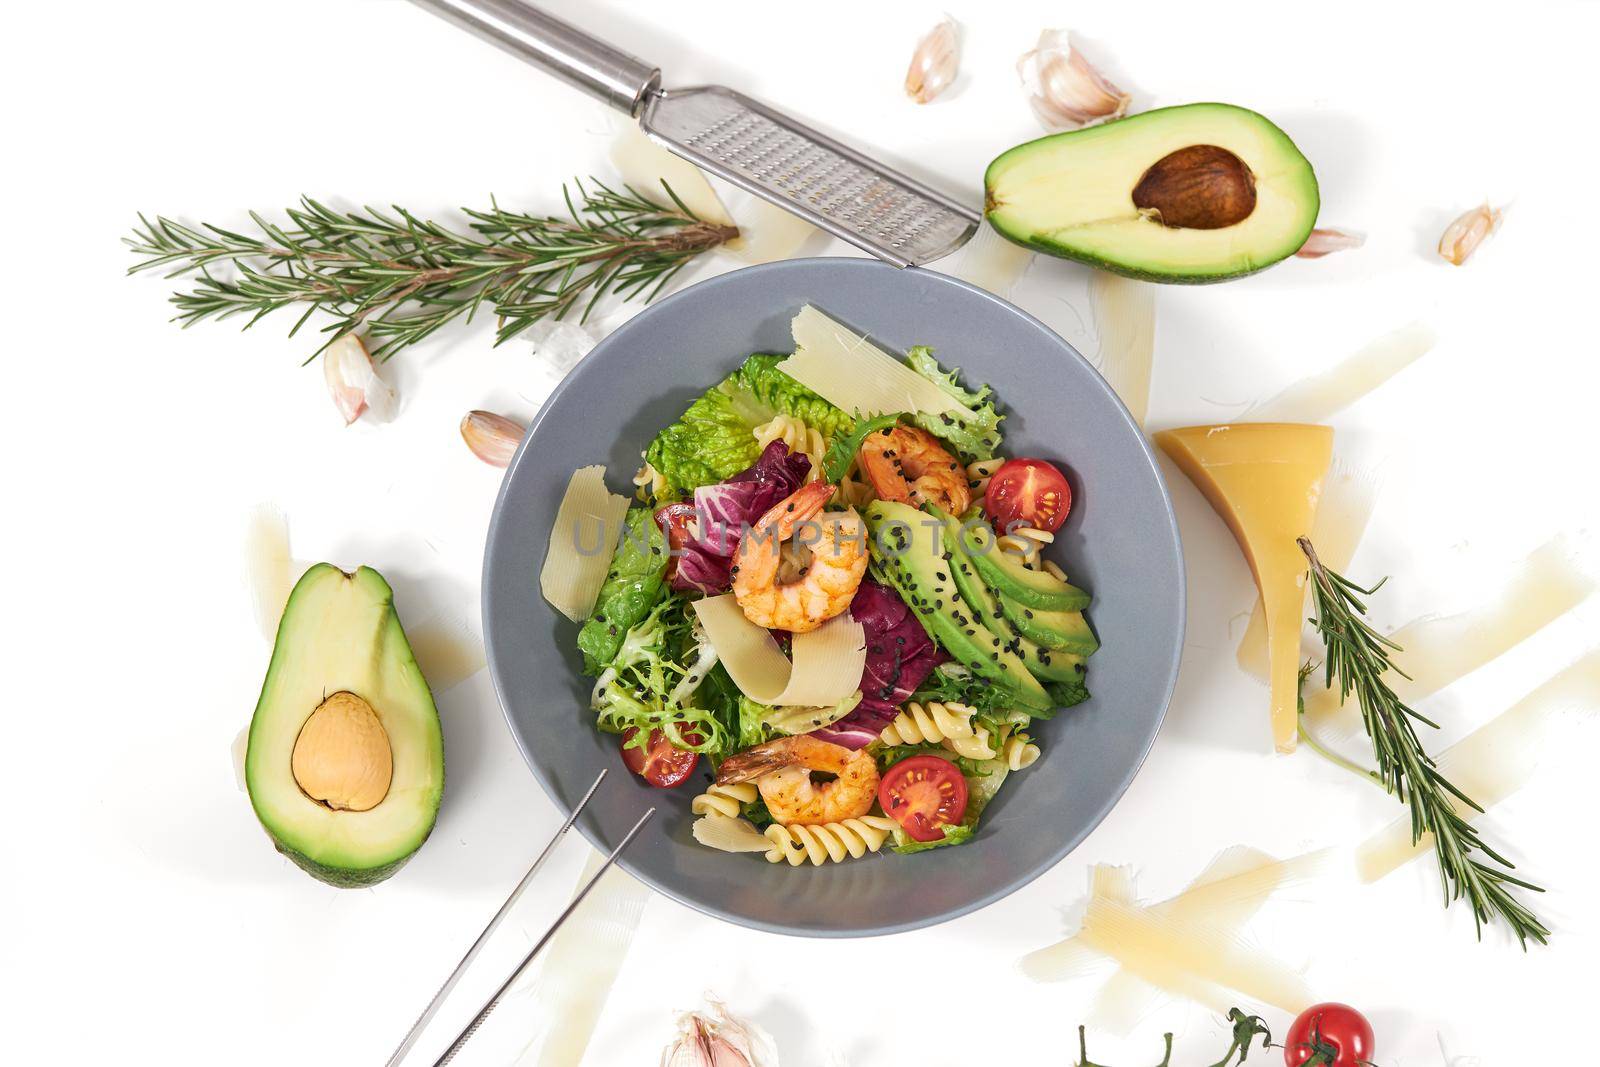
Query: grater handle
{"type": "Point", "coordinates": [575, 57]}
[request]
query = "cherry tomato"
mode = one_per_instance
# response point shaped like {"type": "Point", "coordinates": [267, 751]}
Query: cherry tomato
{"type": "Point", "coordinates": [673, 519]}
{"type": "Point", "coordinates": [659, 763]}
{"type": "Point", "coordinates": [924, 794]}
{"type": "Point", "coordinates": [1027, 492]}
{"type": "Point", "coordinates": [1332, 1034]}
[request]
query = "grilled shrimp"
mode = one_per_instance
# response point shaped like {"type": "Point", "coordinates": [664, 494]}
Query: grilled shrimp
{"type": "Point", "coordinates": [782, 772]}
{"type": "Point", "coordinates": [838, 550]}
{"type": "Point", "coordinates": [908, 464]}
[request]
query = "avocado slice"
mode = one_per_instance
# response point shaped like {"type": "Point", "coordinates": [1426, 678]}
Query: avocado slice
{"type": "Point", "coordinates": [1196, 193]}
{"type": "Point", "coordinates": [1043, 663]}
{"type": "Point", "coordinates": [1064, 631]}
{"type": "Point", "coordinates": [345, 765]}
{"type": "Point", "coordinates": [907, 548]}
{"type": "Point", "coordinates": [1009, 576]}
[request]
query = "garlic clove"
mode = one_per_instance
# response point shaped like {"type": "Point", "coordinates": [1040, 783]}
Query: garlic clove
{"type": "Point", "coordinates": [492, 438]}
{"type": "Point", "coordinates": [1324, 242]}
{"type": "Point", "coordinates": [353, 382]}
{"type": "Point", "coordinates": [714, 1038]}
{"type": "Point", "coordinates": [935, 62]}
{"type": "Point", "coordinates": [1463, 236]}
{"type": "Point", "coordinates": [1064, 89]}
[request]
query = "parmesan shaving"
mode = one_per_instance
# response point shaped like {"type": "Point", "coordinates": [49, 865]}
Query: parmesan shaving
{"type": "Point", "coordinates": [1190, 945]}
{"type": "Point", "coordinates": [991, 262]}
{"type": "Point", "coordinates": [582, 539]}
{"type": "Point", "coordinates": [1491, 763]}
{"type": "Point", "coordinates": [1438, 651]}
{"type": "Point", "coordinates": [852, 373]}
{"type": "Point", "coordinates": [644, 165]}
{"type": "Point", "coordinates": [827, 661]}
{"type": "Point", "coordinates": [1319, 397]}
{"type": "Point", "coordinates": [563, 1002]}
{"type": "Point", "coordinates": [729, 834]}
{"type": "Point", "coordinates": [269, 567]}
{"type": "Point", "coordinates": [1125, 325]}
{"type": "Point", "coordinates": [447, 651]}
{"type": "Point", "coordinates": [767, 232]}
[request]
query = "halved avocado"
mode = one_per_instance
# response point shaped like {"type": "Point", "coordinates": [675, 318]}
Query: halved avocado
{"type": "Point", "coordinates": [345, 765]}
{"type": "Point", "coordinates": [1196, 193]}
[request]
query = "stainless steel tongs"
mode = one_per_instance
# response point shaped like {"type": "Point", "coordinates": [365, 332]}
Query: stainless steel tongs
{"type": "Point", "coordinates": [876, 208]}
{"type": "Point", "coordinates": [471, 1028]}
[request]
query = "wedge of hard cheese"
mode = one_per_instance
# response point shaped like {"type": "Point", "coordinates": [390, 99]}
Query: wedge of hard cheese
{"type": "Point", "coordinates": [1265, 480]}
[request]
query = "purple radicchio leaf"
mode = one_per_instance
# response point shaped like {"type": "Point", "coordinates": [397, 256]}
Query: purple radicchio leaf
{"type": "Point", "coordinates": [721, 511]}
{"type": "Point", "coordinates": [900, 654]}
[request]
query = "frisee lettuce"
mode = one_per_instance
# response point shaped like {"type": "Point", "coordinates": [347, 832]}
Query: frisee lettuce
{"type": "Point", "coordinates": [637, 687]}
{"type": "Point", "coordinates": [714, 440]}
{"type": "Point", "coordinates": [975, 435]}
{"type": "Point", "coordinates": [843, 448]}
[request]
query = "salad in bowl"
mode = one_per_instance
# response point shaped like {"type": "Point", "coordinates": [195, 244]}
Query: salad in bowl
{"type": "Point", "coordinates": [829, 610]}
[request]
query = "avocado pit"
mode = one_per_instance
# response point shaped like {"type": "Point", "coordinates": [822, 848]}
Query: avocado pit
{"type": "Point", "coordinates": [342, 758]}
{"type": "Point", "coordinates": [1201, 187]}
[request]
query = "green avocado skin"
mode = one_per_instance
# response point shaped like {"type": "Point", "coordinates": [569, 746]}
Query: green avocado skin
{"type": "Point", "coordinates": [1147, 271]}
{"type": "Point", "coordinates": [1142, 274]}
{"type": "Point", "coordinates": [340, 877]}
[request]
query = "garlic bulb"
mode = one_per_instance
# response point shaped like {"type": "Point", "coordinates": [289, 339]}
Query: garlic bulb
{"type": "Point", "coordinates": [713, 1038]}
{"type": "Point", "coordinates": [492, 438]}
{"type": "Point", "coordinates": [1064, 89]}
{"type": "Point", "coordinates": [352, 381]}
{"type": "Point", "coordinates": [934, 63]}
{"type": "Point", "coordinates": [1323, 242]}
{"type": "Point", "coordinates": [1463, 236]}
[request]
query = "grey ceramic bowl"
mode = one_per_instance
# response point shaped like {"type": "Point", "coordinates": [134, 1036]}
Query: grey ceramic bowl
{"type": "Point", "coordinates": [1121, 542]}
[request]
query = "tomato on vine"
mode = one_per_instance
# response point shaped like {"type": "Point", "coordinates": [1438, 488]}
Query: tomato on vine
{"type": "Point", "coordinates": [1329, 1035]}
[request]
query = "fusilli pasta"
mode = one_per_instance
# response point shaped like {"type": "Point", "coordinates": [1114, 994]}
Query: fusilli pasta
{"type": "Point", "coordinates": [798, 436]}
{"type": "Point", "coordinates": [934, 723]}
{"type": "Point", "coordinates": [1025, 542]}
{"type": "Point", "coordinates": [979, 473]}
{"type": "Point", "coordinates": [725, 800]}
{"type": "Point", "coordinates": [854, 491]}
{"type": "Point", "coordinates": [1017, 749]}
{"type": "Point", "coordinates": [828, 842]}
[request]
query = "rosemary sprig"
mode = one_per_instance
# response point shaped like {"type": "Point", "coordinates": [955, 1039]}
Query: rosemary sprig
{"type": "Point", "coordinates": [1358, 657]}
{"type": "Point", "coordinates": [401, 278]}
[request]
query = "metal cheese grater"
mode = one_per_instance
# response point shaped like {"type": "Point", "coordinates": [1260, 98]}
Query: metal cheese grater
{"type": "Point", "coordinates": [891, 215]}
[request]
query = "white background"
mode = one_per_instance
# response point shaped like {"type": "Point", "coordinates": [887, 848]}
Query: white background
{"type": "Point", "coordinates": [147, 918]}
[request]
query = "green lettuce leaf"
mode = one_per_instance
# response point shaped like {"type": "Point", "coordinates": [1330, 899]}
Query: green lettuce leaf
{"type": "Point", "coordinates": [984, 778]}
{"type": "Point", "coordinates": [743, 719]}
{"type": "Point", "coordinates": [905, 844]}
{"type": "Point", "coordinates": [713, 440]}
{"type": "Point", "coordinates": [975, 435]}
{"type": "Point", "coordinates": [631, 589]}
